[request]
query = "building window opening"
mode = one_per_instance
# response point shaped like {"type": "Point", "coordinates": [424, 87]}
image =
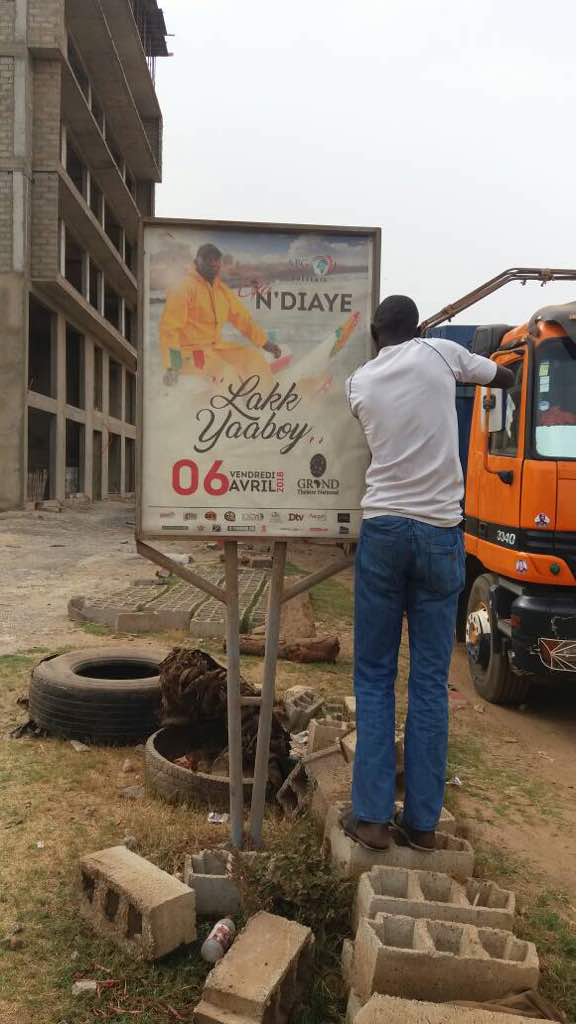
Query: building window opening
{"type": "Point", "coordinates": [73, 259]}
{"type": "Point", "coordinates": [95, 286]}
{"type": "Point", "coordinates": [74, 368]}
{"type": "Point", "coordinates": [96, 201]}
{"type": "Point", "coordinates": [129, 320]}
{"type": "Point", "coordinates": [114, 463]}
{"type": "Point", "coordinates": [113, 229]}
{"type": "Point", "coordinates": [112, 306]}
{"type": "Point", "coordinates": [41, 454]}
{"type": "Point", "coordinates": [130, 414]}
{"type": "Point", "coordinates": [98, 374]}
{"type": "Point", "coordinates": [97, 465]}
{"type": "Point", "coordinates": [41, 349]}
{"type": "Point", "coordinates": [97, 112]}
{"type": "Point", "coordinates": [75, 169]}
{"type": "Point", "coordinates": [129, 255]}
{"type": "Point", "coordinates": [76, 65]}
{"type": "Point", "coordinates": [74, 475]}
{"type": "Point", "coordinates": [115, 389]}
{"type": "Point", "coordinates": [129, 466]}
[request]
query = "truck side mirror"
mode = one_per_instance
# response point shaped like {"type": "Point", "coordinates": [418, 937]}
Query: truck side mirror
{"type": "Point", "coordinates": [493, 402]}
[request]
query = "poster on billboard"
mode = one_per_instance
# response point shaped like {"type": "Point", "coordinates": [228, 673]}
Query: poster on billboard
{"type": "Point", "coordinates": [248, 334]}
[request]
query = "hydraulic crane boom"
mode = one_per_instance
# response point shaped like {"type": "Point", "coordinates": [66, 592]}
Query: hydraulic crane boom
{"type": "Point", "coordinates": [522, 274]}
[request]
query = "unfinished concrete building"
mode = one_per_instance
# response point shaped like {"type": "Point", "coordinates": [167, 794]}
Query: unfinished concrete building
{"type": "Point", "coordinates": [80, 153]}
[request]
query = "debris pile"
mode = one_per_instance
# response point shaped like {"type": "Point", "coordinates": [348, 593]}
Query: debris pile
{"type": "Point", "coordinates": [194, 696]}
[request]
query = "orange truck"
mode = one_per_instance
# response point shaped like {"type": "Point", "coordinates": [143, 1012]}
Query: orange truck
{"type": "Point", "coordinates": [517, 613]}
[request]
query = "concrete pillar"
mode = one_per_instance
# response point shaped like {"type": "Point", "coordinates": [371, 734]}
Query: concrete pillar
{"type": "Point", "coordinates": [63, 146]}
{"type": "Point", "coordinates": [62, 253]}
{"type": "Point", "coordinates": [89, 408]}
{"type": "Point", "coordinates": [123, 417]}
{"type": "Point", "coordinates": [105, 412]}
{"type": "Point", "coordinates": [60, 446]}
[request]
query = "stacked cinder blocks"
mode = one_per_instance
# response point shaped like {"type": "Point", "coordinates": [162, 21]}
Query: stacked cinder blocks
{"type": "Point", "coordinates": [439, 960]}
{"type": "Point", "coordinates": [430, 894]}
{"type": "Point", "coordinates": [263, 976]}
{"type": "Point", "coordinates": [325, 732]}
{"type": "Point", "coordinates": [142, 909]}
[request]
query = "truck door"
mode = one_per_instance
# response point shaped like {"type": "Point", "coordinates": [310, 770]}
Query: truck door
{"type": "Point", "coordinates": [501, 477]}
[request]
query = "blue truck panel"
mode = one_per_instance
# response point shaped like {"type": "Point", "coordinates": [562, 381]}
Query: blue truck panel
{"type": "Point", "coordinates": [462, 334]}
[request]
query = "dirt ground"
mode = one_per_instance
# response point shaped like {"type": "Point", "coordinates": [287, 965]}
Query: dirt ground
{"type": "Point", "coordinates": [516, 800]}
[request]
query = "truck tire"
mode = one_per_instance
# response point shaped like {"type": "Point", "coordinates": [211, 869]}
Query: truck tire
{"type": "Point", "coordinates": [490, 670]}
{"type": "Point", "coordinates": [109, 696]}
{"type": "Point", "coordinates": [178, 785]}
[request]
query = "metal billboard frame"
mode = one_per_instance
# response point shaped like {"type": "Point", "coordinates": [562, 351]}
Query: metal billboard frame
{"type": "Point", "coordinates": [279, 593]}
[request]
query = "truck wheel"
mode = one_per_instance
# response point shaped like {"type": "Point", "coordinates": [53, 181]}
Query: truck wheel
{"type": "Point", "coordinates": [489, 667]}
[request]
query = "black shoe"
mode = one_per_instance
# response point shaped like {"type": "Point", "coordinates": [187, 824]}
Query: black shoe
{"type": "Point", "coordinates": [418, 840]}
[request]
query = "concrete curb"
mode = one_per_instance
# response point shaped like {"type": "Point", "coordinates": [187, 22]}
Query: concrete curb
{"type": "Point", "coordinates": [390, 1010]}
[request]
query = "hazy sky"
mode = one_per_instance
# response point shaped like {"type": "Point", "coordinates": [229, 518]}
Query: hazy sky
{"type": "Point", "coordinates": [448, 124]}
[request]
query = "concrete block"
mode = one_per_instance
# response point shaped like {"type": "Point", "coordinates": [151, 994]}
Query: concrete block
{"type": "Point", "coordinates": [262, 978]}
{"type": "Point", "coordinates": [351, 707]}
{"type": "Point", "coordinates": [349, 746]}
{"type": "Point", "coordinates": [325, 732]}
{"type": "Point", "coordinates": [452, 855]}
{"type": "Point", "coordinates": [331, 779]}
{"type": "Point", "coordinates": [295, 792]}
{"type": "Point", "coordinates": [434, 896]}
{"type": "Point", "coordinates": [301, 704]}
{"type": "Point", "coordinates": [390, 1010]}
{"type": "Point", "coordinates": [142, 909]}
{"type": "Point", "coordinates": [210, 874]}
{"type": "Point", "coordinates": [439, 960]}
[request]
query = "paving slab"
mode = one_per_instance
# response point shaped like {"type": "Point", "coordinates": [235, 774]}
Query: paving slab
{"type": "Point", "coordinates": [452, 855]}
{"type": "Point", "coordinates": [433, 895]}
{"type": "Point", "coordinates": [210, 618]}
{"type": "Point", "coordinates": [262, 978]}
{"type": "Point", "coordinates": [439, 960]}
{"type": "Point", "coordinates": [141, 908]}
{"type": "Point", "coordinates": [390, 1010]}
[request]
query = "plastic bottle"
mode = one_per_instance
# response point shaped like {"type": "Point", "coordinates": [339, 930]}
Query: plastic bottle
{"type": "Point", "coordinates": [218, 941]}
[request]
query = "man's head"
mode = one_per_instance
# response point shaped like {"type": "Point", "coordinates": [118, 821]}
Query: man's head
{"type": "Point", "coordinates": [208, 262]}
{"type": "Point", "coordinates": [395, 320]}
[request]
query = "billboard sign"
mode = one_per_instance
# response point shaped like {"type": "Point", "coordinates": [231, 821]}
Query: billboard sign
{"type": "Point", "coordinates": [248, 334]}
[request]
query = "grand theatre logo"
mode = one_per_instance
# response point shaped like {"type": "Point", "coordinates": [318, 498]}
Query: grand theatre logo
{"type": "Point", "coordinates": [319, 482]}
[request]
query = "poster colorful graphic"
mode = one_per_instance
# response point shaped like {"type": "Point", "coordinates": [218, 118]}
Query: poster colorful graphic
{"type": "Point", "coordinates": [248, 336]}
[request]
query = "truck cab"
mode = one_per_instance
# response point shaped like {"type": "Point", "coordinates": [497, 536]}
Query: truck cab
{"type": "Point", "coordinates": [518, 609]}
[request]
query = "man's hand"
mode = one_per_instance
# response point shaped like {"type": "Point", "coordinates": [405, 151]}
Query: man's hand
{"type": "Point", "coordinates": [504, 378]}
{"type": "Point", "coordinates": [274, 349]}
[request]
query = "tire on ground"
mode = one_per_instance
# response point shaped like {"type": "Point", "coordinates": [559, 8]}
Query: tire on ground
{"type": "Point", "coordinates": [107, 695]}
{"type": "Point", "coordinates": [495, 682]}
{"type": "Point", "coordinates": [179, 785]}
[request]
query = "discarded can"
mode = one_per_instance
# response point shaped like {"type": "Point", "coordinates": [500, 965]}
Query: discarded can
{"type": "Point", "coordinates": [219, 940]}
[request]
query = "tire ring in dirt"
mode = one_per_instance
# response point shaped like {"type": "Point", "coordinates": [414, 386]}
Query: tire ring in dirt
{"type": "Point", "coordinates": [178, 785]}
{"type": "Point", "coordinates": [105, 695]}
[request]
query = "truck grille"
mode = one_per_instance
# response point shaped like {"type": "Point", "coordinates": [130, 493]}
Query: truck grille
{"type": "Point", "coordinates": [552, 542]}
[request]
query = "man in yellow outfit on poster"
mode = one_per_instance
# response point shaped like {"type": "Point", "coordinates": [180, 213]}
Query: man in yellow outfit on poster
{"type": "Point", "coordinates": [191, 339]}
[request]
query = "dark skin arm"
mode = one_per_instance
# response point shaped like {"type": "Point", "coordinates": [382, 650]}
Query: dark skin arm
{"type": "Point", "coordinates": [504, 378]}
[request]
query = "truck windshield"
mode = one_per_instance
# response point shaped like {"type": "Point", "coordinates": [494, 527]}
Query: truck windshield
{"type": "Point", "coordinates": [555, 399]}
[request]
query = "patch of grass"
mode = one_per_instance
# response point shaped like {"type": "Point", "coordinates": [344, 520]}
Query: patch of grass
{"type": "Point", "coordinates": [297, 883]}
{"type": "Point", "coordinates": [332, 600]}
{"type": "Point", "coordinates": [293, 570]}
{"type": "Point", "coordinates": [483, 771]}
{"type": "Point", "coordinates": [96, 628]}
{"type": "Point", "coordinates": [544, 922]}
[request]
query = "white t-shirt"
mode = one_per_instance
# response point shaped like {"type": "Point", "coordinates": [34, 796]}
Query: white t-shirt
{"type": "Point", "coordinates": [404, 399]}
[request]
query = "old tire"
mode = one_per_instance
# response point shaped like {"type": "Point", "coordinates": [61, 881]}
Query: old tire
{"type": "Point", "coordinates": [490, 670]}
{"type": "Point", "coordinates": [109, 695]}
{"type": "Point", "coordinates": [178, 785]}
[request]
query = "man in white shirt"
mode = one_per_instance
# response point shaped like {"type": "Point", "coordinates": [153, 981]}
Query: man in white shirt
{"type": "Point", "coordinates": [410, 560]}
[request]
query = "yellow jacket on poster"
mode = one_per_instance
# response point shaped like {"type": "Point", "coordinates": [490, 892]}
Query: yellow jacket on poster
{"type": "Point", "coordinates": [195, 314]}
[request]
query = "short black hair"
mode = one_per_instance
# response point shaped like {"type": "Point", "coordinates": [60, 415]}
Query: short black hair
{"type": "Point", "coordinates": [396, 315]}
{"type": "Point", "coordinates": [207, 250]}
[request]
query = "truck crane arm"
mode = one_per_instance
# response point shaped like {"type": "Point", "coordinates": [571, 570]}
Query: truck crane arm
{"type": "Point", "coordinates": [522, 274]}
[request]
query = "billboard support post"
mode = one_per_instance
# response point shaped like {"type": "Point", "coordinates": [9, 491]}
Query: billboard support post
{"type": "Point", "coordinates": [268, 692]}
{"type": "Point", "coordinates": [235, 769]}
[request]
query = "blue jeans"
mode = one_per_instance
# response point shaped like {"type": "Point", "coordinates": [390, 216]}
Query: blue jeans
{"type": "Point", "coordinates": [404, 566]}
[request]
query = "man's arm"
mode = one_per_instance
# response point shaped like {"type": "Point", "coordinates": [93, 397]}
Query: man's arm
{"type": "Point", "coordinates": [504, 378]}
